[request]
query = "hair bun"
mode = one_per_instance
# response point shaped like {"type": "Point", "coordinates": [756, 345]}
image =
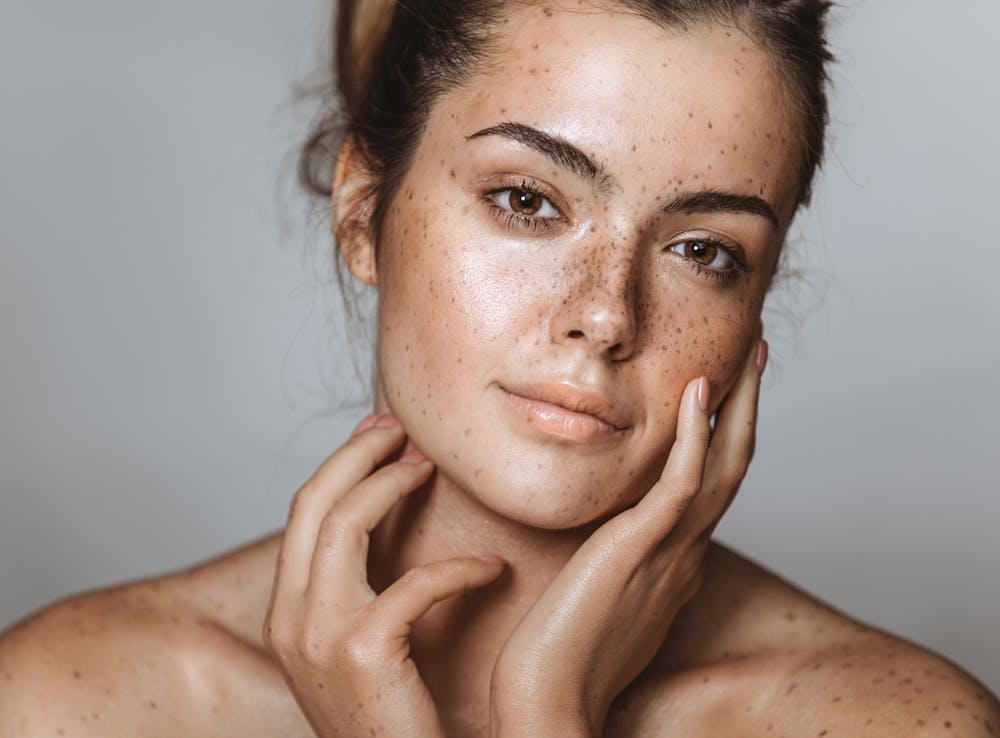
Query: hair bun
{"type": "Point", "coordinates": [361, 28]}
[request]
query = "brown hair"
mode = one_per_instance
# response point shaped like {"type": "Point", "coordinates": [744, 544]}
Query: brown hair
{"type": "Point", "coordinates": [393, 58]}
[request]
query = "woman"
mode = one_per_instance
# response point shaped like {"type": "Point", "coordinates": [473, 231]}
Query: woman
{"type": "Point", "coordinates": [572, 216]}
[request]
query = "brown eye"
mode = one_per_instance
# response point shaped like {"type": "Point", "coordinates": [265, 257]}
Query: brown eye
{"type": "Point", "coordinates": [706, 253]}
{"type": "Point", "coordinates": [526, 205]}
{"type": "Point", "coordinates": [702, 252]}
{"type": "Point", "coordinates": [525, 202]}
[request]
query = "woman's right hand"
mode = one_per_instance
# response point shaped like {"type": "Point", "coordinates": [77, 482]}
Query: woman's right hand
{"type": "Point", "coordinates": [343, 650]}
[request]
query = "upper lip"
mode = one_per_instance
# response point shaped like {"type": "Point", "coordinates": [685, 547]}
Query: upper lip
{"type": "Point", "coordinates": [572, 397]}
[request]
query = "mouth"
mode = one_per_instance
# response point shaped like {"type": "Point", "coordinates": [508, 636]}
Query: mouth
{"type": "Point", "coordinates": [564, 411]}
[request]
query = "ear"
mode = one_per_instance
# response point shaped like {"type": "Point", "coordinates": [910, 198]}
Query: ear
{"type": "Point", "coordinates": [351, 209]}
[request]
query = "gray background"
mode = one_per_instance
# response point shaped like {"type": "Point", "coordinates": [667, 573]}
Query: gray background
{"type": "Point", "coordinates": [171, 355]}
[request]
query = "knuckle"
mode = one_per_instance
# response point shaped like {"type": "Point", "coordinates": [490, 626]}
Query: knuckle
{"type": "Point", "coordinates": [699, 433]}
{"type": "Point", "coordinates": [278, 642]}
{"type": "Point", "coordinates": [298, 501]}
{"type": "Point", "coordinates": [360, 650]}
{"type": "Point", "coordinates": [311, 647]}
{"type": "Point", "coordinates": [339, 525]}
{"type": "Point", "coordinates": [418, 578]}
{"type": "Point", "coordinates": [334, 523]}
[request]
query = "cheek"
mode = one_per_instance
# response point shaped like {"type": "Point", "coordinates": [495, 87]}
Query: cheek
{"type": "Point", "coordinates": [687, 335]}
{"type": "Point", "coordinates": [447, 304]}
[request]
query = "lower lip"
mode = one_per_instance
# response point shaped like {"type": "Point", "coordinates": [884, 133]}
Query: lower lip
{"type": "Point", "coordinates": [555, 420]}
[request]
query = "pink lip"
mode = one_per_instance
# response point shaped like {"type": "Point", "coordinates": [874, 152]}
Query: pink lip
{"type": "Point", "coordinates": [565, 411]}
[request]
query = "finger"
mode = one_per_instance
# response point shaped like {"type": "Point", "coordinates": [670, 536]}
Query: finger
{"type": "Point", "coordinates": [666, 502]}
{"type": "Point", "coordinates": [406, 600]}
{"type": "Point", "coordinates": [732, 446]}
{"type": "Point", "coordinates": [339, 566]}
{"type": "Point", "coordinates": [341, 471]}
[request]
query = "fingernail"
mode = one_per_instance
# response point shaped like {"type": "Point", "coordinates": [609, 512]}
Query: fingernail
{"type": "Point", "coordinates": [388, 420]}
{"type": "Point", "coordinates": [365, 424]}
{"type": "Point", "coordinates": [703, 392]}
{"type": "Point", "coordinates": [493, 560]}
{"type": "Point", "coordinates": [413, 456]}
{"type": "Point", "coordinates": [761, 356]}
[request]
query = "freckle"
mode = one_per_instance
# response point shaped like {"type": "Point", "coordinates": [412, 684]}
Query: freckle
{"type": "Point", "coordinates": [76, 674]}
{"type": "Point", "coordinates": [947, 723]}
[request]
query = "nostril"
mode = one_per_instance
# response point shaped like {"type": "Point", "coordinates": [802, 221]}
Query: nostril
{"type": "Point", "coordinates": [575, 334]}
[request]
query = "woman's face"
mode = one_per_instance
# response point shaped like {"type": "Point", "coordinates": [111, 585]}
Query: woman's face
{"type": "Point", "coordinates": [588, 224]}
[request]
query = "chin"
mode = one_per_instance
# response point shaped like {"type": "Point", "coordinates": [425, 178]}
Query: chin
{"type": "Point", "coordinates": [549, 498]}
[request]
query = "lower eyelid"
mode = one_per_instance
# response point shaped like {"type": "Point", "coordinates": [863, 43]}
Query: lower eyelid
{"type": "Point", "coordinates": [516, 220]}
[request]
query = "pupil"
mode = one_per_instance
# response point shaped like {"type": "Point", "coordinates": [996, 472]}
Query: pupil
{"type": "Point", "coordinates": [702, 252]}
{"type": "Point", "coordinates": [525, 202]}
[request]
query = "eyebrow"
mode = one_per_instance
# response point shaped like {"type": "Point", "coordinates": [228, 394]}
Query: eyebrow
{"type": "Point", "coordinates": [559, 150]}
{"type": "Point", "coordinates": [717, 201]}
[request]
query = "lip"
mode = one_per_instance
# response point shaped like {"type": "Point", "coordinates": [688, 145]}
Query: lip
{"type": "Point", "coordinates": [565, 410]}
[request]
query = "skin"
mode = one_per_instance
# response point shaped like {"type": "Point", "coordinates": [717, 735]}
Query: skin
{"type": "Point", "coordinates": [598, 617]}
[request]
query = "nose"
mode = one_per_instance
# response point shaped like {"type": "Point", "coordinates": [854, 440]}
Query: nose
{"type": "Point", "coordinates": [599, 311]}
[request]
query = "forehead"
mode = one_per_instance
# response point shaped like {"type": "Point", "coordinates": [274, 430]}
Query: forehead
{"type": "Point", "coordinates": [699, 105]}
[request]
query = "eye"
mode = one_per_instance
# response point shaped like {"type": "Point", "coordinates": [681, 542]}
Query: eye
{"type": "Point", "coordinates": [525, 202]}
{"type": "Point", "coordinates": [706, 253]}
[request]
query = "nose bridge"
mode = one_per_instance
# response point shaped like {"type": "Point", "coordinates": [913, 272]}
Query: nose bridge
{"type": "Point", "coordinates": [599, 306]}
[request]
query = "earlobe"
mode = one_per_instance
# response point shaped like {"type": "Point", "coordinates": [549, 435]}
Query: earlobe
{"type": "Point", "coordinates": [351, 208]}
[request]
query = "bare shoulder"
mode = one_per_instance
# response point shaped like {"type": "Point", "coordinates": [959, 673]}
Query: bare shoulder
{"type": "Point", "coordinates": [156, 657]}
{"type": "Point", "coordinates": [753, 655]}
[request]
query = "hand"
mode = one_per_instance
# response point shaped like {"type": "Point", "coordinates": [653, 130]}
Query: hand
{"type": "Point", "coordinates": [344, 651]}
{"type": "Point", "coordinates": [607, 613]}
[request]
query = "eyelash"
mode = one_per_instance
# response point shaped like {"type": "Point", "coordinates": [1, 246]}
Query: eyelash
{"type": "Point", "coordinates": [526, 222]}
{"type": "Point", "coordinates": [517, 220]}
{"type": "Point", "coordinates": [725, 277]}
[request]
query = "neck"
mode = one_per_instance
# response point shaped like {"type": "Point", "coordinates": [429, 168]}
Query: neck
{"type": "Point", "coordinates": [456, 644]}
{"type": "Point", "coordinates": [442, 521]}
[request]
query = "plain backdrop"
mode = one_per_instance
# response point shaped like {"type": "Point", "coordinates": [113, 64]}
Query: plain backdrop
{"type": "Point", "coordinates": [171, 351]}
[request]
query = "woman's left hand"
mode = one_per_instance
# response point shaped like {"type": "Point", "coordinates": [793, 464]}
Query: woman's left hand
{"type": "Point", "coordinates": [607, 613]}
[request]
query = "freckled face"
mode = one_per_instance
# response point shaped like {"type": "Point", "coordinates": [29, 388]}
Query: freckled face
{"type": "Point", "coordinates": [586, 225]}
